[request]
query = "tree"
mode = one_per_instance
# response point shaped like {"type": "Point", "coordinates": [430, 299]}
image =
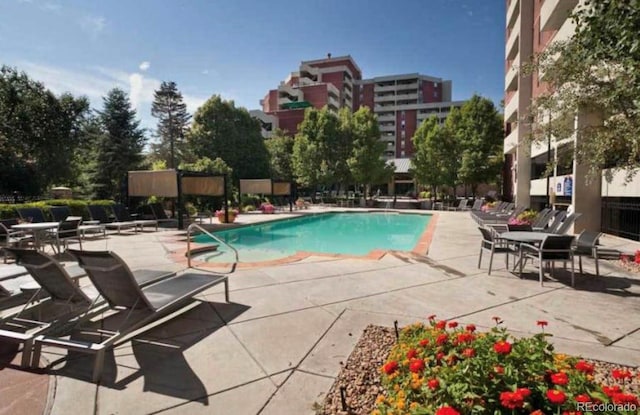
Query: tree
{"type": "Point", "coordinates": [595, 73]}
{"type": "Point", "coordinates": [220, 130]}
{"type": "Point", "coordinates": [280, 148]}
{"type": "Point", "coordinates": [314, 161]}
{"type": "Point", "coordinates": [173, 122]}
{"type": "Point", "coordinates": [480, 135]}
{"type": "Point", "coordinates": [217, 166]}
{"type": "Point", "coordinates": [365, 162]}
{"type": "Point", "coordinates": [38, 133]}
{"type": "Point", "coordinates": [119, 147]}
{"type": "Point", "coordinates": [435, 160]}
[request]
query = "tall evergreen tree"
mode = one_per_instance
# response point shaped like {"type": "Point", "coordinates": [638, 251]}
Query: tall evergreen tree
{"type": "Point", "coordinates": [173, 121]}
{"type": "Point", "coordinates": [121, 144]}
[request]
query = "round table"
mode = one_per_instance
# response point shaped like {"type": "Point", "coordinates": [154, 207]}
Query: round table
{"type": "Point", "coordinates": [524, 236]}
{"type": "Point", "coordinates": [35, 229]}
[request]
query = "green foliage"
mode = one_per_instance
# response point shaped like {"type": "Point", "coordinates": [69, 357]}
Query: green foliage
{"type": "Point", "coordinates": [365, 162]}
{"type": "Point", "coordinates": [280, 148]}
{"type": "Point", "coordinates": [159, 165]}
{"type": "Point", "coordinates": [220, 130]}
{"type": "Point", "coordinates": [76, 207]}
{"type": "Point", "coordinates": [173, 122]}
{"type": "Point", "coordinates": [217, 166]}
{"type": "Point", "coordinates": [249, 208]}
{"type": "Point", "coordinates": [38, 134]}
{"type": "Point", "coordinates": [441, 364]}
{"type": "Point", "coordinates": [435, 160]}
{"type": "Point", "coordinates": [119, 147]}
{"type": "Point", "coordinates": [480, 135]}
{"type": "Point", "coordinates": [595, 75]}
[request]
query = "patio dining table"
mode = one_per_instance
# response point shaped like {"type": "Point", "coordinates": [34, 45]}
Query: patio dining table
{"type": "Point", "coordinates": [36, 229]}
{"type": "Point", "coordinates": [520, 237]}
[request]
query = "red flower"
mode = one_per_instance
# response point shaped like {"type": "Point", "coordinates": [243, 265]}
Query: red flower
{"type": "Point", "coordinates": [439, 355]}
{"type": "Point", "coordinates": [470, 327]}
{"type": "Point", "coordinates": [542, 323]}
{"type": "Point", "coordinates": [583, 398]}
{"type": "Point", "coordinates": [511, 400]}
{"type": "Point", "coordinates": [620, 374]}
{"type": "Point", "coordinates": [556, 396]}
{"type": "Point", "coordinates": [559, 378]}
{"type": "Point", "coordinates": [502, 347]}
{"type": "Point", "coordinates": [442, 339]}
{"type": "Point", "coordinates": [390, 367]}
{"type": "Point", "coordinates": [424, 342]}
{"type": "Point", "coordinates": [499, 370]}
{"type": "Point", "coordinates": [469, 352]}
{"type": "Point", "coordinates": [431, 317]}
{"type": "Point", "coordinates": [465, 337]}
{"type": "Point", "coordinates": [441, 324]}
{"type": "Point", "coordinates": [452, 324]}
{"type": "Point", "coordinates": [416, 365]}
{"type": "Point", "coordinates": [433, 384]}
{"type": "Point", "coordinates": [584, 367]}
{"type": "Point", "coordinates": [524, 392]}
{"type": "Point", "coordinates": [611, 390]}
{"type": "Point", "coordinates": [447, 410]}
{"type": "Point", "coordinates": [537, 412]}
{"type": "Point", "coordinates": [624, 398]}
{"type": "Point", "coordinates": [497, 319]}
{"type": "Point", "coordinates": [412, 354]}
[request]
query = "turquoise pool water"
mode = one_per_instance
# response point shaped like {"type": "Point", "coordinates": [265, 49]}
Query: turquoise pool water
{"type": "Point", "coordinates": [330, 233]}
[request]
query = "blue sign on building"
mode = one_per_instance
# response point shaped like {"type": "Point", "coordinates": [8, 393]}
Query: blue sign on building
{"type": "Point", "coordinates": [568, 186]}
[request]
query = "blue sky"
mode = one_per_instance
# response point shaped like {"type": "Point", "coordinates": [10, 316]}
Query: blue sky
{"type": "Point", "coordinates": [240, 49]}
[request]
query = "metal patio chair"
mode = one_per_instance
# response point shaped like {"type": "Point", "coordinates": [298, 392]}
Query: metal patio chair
{"type": "Point", "coordinates": [553, 248]}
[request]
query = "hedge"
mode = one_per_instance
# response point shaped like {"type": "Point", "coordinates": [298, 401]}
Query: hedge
{"type": "Point", "coordinates": [77, 207]}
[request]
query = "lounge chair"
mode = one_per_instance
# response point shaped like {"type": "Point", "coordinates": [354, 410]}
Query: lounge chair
{"type": "Point", "coordinates": [462, 205]}
{"type": "Point", "coordinates": [66, 301]}
{"type": "Point", "coordinates": [566, 224]}
{"type": "Point", "coordinates": [587, 245]}
{"type": "Point", "coordinates": [68, 229]}
{"type": "Point", "coordinates": [60, 213]}
{"type": "Point", "coordinates": [100, 214]}
{"type": "Point", "coordinates": [122, 215]}
{"type": "Point", "coordinates": [158, 212]}
{"type": "Point", "coordinates": [10, 237]}
{"type": "Point", "coordinates": [477, 205]}
{"type": "Point", "coordinates": [555, 224]}
{"type": "Point", "coordinates": [34, 215]}
{"type": "Point", "coordinates": [111, 276]}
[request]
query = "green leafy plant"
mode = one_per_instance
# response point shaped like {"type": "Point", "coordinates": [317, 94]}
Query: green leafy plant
{"type": "Point", "coordinates": [444, 369]}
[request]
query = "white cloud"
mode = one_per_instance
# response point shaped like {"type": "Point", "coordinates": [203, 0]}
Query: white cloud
{"type": "Point", "coordinates": [144, 66]}
{"type": "Point", "coordinates": [93, 25]}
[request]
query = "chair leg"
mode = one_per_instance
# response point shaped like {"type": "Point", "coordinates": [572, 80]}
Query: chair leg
{"type": "Point", "coordinates": [226, 290]}
{"type": "Point", "coordinates": [580, 264]}
{"type": "Point", "coordinates": [26, 353]}
{"type": "Point", "coordinates": [490, 260]}
{"type": "Point", "coordinates": [480, 257]}
{"type": "Point", "coordinates": [541, 269]}
{"type": "Point", "coordinates": [98, 365]}
{"type": "Point", "coordinates": [595, 257]}
{"type": "Point", "coordinates": [573, 274]}
{"type": "Point", "coordinates": [35, 356]}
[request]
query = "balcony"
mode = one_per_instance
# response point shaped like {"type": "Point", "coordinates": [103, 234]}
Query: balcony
{"type": "Point", "coordinates": [383, 118]}
{"type": "Point", "coordinates": [387, 128]}
{"type": "Point", "coordinates": [386, 88]}
{"type": "Point", "coordinates": [618, 186]}
{"type": "Point", "coordinates": [511, 109]}
{"type": "Point", "coordinates": [384, 98]}
{"type": "Point", "coordinates": [512, 47]}
{"type": "Point", "coordinates": [406, 97]}
{"type": "Point", "coordinates": [332, 102]}
{"type": "Point", "coordinates": [511, 79]}
{"type": "Point", "coordinates": [512, 12]}
{"type": "Point", "coordinates": [402, 87]}
{"type": "Point", "coordinates": [554, 13]}
{"type": "Point", "coordinates": [511, 142]}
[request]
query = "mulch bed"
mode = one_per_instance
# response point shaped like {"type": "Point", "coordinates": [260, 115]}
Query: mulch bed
{"type": "Point", "coordinates": [359, 379]}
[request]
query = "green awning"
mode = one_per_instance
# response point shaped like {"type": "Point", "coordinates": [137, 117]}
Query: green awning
{"type": "Point", "coordinates": [296, 105]}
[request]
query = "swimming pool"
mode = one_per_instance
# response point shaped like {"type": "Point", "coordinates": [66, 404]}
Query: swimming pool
{"type": "Point", "coordinates": [330, 233]}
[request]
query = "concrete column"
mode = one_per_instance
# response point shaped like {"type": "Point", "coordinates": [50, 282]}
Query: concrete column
{"type": "Point", "coordinates": [586, 197]}
{"type": "Point", "coordinates": [523, 167]}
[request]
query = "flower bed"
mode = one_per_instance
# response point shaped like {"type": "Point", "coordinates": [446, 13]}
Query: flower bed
{"type": "Point", "coordinates": [444, 369]}
{"type": "Point", "coordinates": [631, 262]}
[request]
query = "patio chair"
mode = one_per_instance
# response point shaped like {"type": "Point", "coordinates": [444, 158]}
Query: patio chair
{"type": "Point", "coordinates": [68, 229]}
{"type": "Point", "coordinates": [34, 215]}
{"type": "Point", "coordinates": [66, 301]}
{"type": "Point", "coordinates": [462, 205]}
{"type": "Point", "coordinates": [10, 237]}
{"type": "Point", "coordinates": [477, 205]}
{"type": "Point", "coordinates": [555, 224]}
{"type": "Point", "coordinates": [587, 245]}
{"type": "Point", "coordinates": [494, 245]}
{"type": "Point", "coordinates": [122, 215]}
{"type": "Point", "coordinates": [140, 306]}
{"type": "Point", "coordinates": [566, 224]}
{"type": "Point", "coordinates": [542, 219]}
{"type": "Point", "coordinates": [159, 213]}
{"type": "Point", "coordinates": [553, 248]}
{"type": "Point", "coordinates": [60, 213]}
{"type": "Point", "coordinates": [100, 214]}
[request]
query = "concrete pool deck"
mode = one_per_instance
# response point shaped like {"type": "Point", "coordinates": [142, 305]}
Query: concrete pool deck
{"type": "Point", "coordinates": [278, 346]}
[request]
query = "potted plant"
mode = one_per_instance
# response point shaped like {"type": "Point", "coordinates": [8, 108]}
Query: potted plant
{"type": "Point", "coordinates": [267, 207]}
{"type": "Point", "coordinates": [233, 213]}
{"type": "Point", "coordinates": [525, 218]}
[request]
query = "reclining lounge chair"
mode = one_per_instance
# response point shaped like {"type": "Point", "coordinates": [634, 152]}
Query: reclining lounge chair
{"type": "Point", "coordinates": [140, 306]}
{"type": "Point", "coordinates": [122, 215]}
{"type": "Point", "coordinates": [98, 213]}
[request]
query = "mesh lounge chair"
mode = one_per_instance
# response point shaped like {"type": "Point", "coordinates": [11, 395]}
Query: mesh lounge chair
{"type": "Point", "coordinates": [553, 248]}
{"type": "Point", "coordinates": [557, 221]}
{"type": "Point", "coordinates": [462, 205]}
{"type": "Point", "coordinates": [141, 306]}
{"type": "Point", "coordinates": [566, 224]}
{"type": "Point", "coordinates": [34, 215]}
{"type": "Point", "coordinates": [66, 301]}
{"type": "Point", "coordinates": [98, 213]}
{"type": "Point", "coordinates": [122, 215]}
{"type": "Point", "coordinates": [60, 213]}
{"type": "Point", "coordinates": [159, 213]}
{"type": "Point", "coordinates": [10, 237]}
{"type": "Point", "coordinates": [477, 205]}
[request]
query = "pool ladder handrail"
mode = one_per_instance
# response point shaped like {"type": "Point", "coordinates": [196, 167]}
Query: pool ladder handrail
{"type": "Point", "coordinates": [212, 236]}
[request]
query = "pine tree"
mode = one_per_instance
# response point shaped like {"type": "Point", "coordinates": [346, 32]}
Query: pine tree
{"type": "Point", "coordinates": [173, 121]}
{"type": "Point", "coordinates": [121, 144]}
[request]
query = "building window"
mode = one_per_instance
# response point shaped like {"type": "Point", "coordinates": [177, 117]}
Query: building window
{"type": "Point", "coordinates": [402, 115]}
{"type": "Point", "coordinates": [402, 153]}
{"type": "Point", "coordinates": [435, 93]}
{"type": "Point", "coordinates": [435, 84]}
{"type": "Point", "coordinates": [402, 134]}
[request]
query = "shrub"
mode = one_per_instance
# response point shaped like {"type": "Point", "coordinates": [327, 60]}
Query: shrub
{"type": "Point", "coordinates": [248, 208]}
{"type": "Point", "coordinates": [442, 368]}
{"type": "Point", "coordinates": [76, 207]}
{"type": "Point", "coordinates": [425, 195]}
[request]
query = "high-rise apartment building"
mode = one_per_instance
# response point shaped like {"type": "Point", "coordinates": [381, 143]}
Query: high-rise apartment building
{"type": "Point", "coordinates": [401, 102]}
{"type": "Point", "coordinates": [531, 27]}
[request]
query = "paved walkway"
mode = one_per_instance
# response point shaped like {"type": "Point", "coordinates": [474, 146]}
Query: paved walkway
{"type": "Point", "coordinates": [278, 346]}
